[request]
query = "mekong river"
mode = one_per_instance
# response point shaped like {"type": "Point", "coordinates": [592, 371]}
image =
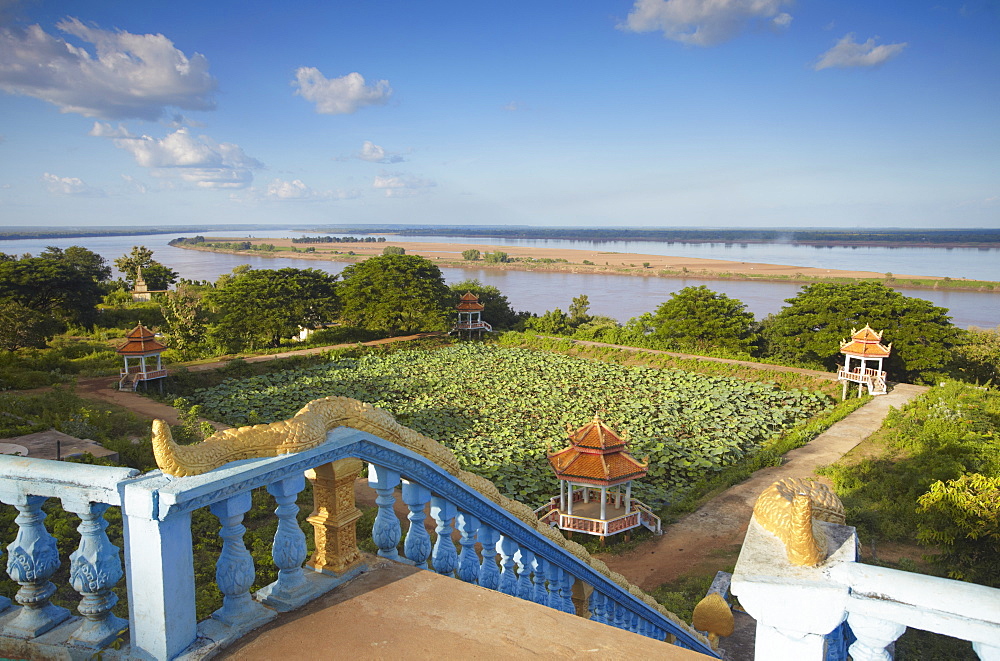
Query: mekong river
{"type": "Point", "coordinates": [618, 296]}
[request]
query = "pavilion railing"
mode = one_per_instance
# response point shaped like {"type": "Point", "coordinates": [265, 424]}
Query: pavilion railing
{"type": "Point", "coordinates": [519, 556]}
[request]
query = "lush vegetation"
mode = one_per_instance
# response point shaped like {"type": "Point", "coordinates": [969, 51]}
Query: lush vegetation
{"type": "Point", "coordinates": [933, 481]}
{"type": "Point", "coordinates": [499, 408]}
{"type": "Point", "coordinates": [395, 293]}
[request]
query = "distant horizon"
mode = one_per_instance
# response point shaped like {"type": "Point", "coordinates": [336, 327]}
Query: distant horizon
{"type": "Point", "coordinates": [626, 113]}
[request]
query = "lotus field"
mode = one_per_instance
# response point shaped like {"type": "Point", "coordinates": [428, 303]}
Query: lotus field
{"type": "Point", "coordinates": [499, 409]}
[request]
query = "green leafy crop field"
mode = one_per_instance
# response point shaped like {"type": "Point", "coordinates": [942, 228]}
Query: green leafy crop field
{"type": "Point", "coordinates": [499, 409]}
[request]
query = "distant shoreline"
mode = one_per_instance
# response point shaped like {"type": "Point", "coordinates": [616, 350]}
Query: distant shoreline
{"type": "Point", "coordinates": [565, 260]}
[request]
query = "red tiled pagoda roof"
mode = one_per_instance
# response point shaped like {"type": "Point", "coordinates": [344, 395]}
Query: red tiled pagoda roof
{"type": "Point", "coordinates": [140, 342]}
{"type": "Point", "coordinates": [596, 455]}
{"type": "Point", "coordinates": [469, 303]}
{"type": "Point", "coordinates": [866, 342]}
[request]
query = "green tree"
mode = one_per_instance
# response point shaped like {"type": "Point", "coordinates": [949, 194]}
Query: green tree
{"type": "Point", "coordinates": [496, 308]}
{"type": "Point", "coordinates": [394, 250]}
{"type": "Point", "coordinates": [810, 328]}
{"type": "Point", "coordinates": [579, 310]}
{"type": "Point", "coordinates": [699, 319]}
{"type": "Point", "coordinates": [470, 255]}
{"type": "Point", "coordinates": [497, 257]}
{"type": "Point", "coordinates": [963, 517]}
{"type": "Point", "coordinates": [395, 294]}
{"type": "Point", "coordinates": [156, 275]}
{"type": "Point", "coordinates": [185, 319]}
{"type": "Point", "coordinates": [22, 327]}
{"type": "Point", "coordinates": [553, 322]}
{"type": "Point", "coordinates": [977, 358]}
{"type": "Point", "coordinates": [86, 262]}
{"type": "Point", "coordinates": [51, 287]}
{"type": "Point", "coordinates": [260, 307]}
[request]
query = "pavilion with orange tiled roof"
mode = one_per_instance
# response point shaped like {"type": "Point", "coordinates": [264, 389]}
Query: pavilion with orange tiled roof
{"type": "Point", "coordinates": [469, 315]}
{"type": "Point", "coordinates": [597, 461]}
{"type": "Point", "coordinates": [866, 347]}
{"type": "Point", "coordinates": [140, 344]}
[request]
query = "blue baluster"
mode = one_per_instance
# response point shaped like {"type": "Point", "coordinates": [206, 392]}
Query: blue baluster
{"type": "Point", "coordinates": [489, 572]}
{"type": "Point", "coordinates": [417, 545]}
{"type": "Point", "coordinates": [620, 614]}
{"type": "Point", "coordinates": [634, 623]}
{"type": "Point", "coordinates": [541, 594]}
{"type": "Point", "coordinates": [94, 569]}
{"type": "Point", "coordinates": [444, 556]}
{"type": "Point", "coordinates": [554, 574]}
{"type": "Point", "coordinates": [525, 560]}
{"type": "Point", "coordinates": [234, 571]}
{"type": "Point", "coordinates": [386, 531]}
{"type": "Point", "coordinates": [468, 561]}
{"type": "Point", "coordinates": [31, 559]}
{"type": "Point", "coordinates": [507, 547]}
{"type": "Point", "coordinates": [288, 549]}
{"type": "Point", "coordinates": [566, 592]}
{"type": "Point", "coordinates": [598, 607]}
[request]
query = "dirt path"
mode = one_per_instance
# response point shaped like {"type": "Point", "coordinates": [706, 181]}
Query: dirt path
{"type": "Point", "coordinates": [710, 537]}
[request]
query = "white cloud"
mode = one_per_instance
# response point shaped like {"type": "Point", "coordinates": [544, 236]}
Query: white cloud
{"type": "Point", "coordinates": [69, 186]}
{"type": "Point", "coordinates": [134, 184]}
{"type": "Point", "coordinates": [126, 76]}
{"type": "Point", "coordinates": [339, 96]}
{"type": "Point", "coordinates": [704, 22]}
{"type": "Point", "coordinates": [375, 154]}
{"type": "Point", "coordinates": [289, 190]}
{"type": "Point", "coordinates": [396, 184]}
{"type": "Point", "coordinates": [281, 190]}
{"type": "Point", "coordinates": [849, 53]}
{"type": "Point", "coordinates": [196, 160]}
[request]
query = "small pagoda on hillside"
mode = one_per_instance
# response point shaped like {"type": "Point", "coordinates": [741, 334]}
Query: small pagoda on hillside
{"type": "Point", "coordinates": [595, 485]}
{"type": "Point", "coordinates": [866, 347]}
{"type": "Point", "coordinates": [142, 347]}
{"type": "Point", "coordinates": [142, 293]}
{"type": "Point", "coordinates": [469, 316]}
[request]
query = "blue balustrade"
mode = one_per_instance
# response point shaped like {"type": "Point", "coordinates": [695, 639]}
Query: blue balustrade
{"type": "Point", "coordinates": [417, 545]}
{"type": "Point", "coordinates": [515, 557]}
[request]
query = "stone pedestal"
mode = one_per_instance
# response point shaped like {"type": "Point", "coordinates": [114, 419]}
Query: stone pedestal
{"type": "Point", "coordinates": [334, 515]}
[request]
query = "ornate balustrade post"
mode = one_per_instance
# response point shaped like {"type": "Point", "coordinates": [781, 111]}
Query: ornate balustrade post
{"type": "Point", "coordinates": [506, 547]}
{"type": "Point", "coordinates": [468, 561]}
{"type": "Point", "coordinates": [334, 516]}
{"type": "Point", "coordinates": [289, 549]}
{"type": "Point", "coordinates": [489, 572]}
{"type": "Point", "coordinates": [873, 637]}
{"type": "Point", "coordinates": [31, 559]}
{"type": "Point", "coordinates": [554, 574]}
{"type": "Point", "coordinates": [94, 570]}
{"type": "Point", "coordinates": [525, 560]}
{"type": "Point", "coordinates": [417, 545]}
{"type": "Point", "coordinates": [444, 555]}
{"type": "Point", "coordinates": [566, 593]}
{"type": "Point", "coordinates": [386, 532]}
{"type": "Point", "coordinates": [234, 571]}
{"type": "Point", "coordinates": [541, 593]}
{"type": "Point", "coordinates": [598, 607]}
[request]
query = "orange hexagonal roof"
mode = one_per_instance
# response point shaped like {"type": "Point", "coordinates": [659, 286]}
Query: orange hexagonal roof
{"type": "Point", "coordinates": [596, 455]}
{"type": "Point", "coordinates": [866, 343]}
{"type": "Point", "coordinates": [469, 303]}
{"type": "Point", "coordinates": [140, 342]}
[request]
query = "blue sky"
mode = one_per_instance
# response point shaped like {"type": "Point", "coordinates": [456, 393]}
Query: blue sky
{"type": "Point", "coordinates": [721, 113]}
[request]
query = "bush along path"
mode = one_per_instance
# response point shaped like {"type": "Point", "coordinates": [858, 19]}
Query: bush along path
{"type": "Point", "coordinates": [710, 537]}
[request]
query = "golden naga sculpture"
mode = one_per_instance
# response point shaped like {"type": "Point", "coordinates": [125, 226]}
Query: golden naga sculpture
{"type": "Point", "coordinates": [713, 614]}
{"type": "Point", "coordinates": [787, 509]}
{"type": "Point", "coordinates": [307, 429]}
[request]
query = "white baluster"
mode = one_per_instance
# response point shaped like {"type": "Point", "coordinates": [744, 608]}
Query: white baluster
{"type": "Point", "coordinates": [417, 545]}
{"type": "Point", "coordinates": [874, 636]}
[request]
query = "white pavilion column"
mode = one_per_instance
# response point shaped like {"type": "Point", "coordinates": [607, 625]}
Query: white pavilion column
{"type": "Point", "coordinates": [628, 497]}
{"type": "Point", "coordinates": [604, 503]}
{"type": "Point", "coordinates": [562, 495]}
{"type": "Point", "coordinates": [586, 494]}
{"type": "Point", "coordinates": [569, 499]}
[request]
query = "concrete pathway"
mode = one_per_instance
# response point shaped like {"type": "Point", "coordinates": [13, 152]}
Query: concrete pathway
{"type": "Point", "coordinates": [711, 536]}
